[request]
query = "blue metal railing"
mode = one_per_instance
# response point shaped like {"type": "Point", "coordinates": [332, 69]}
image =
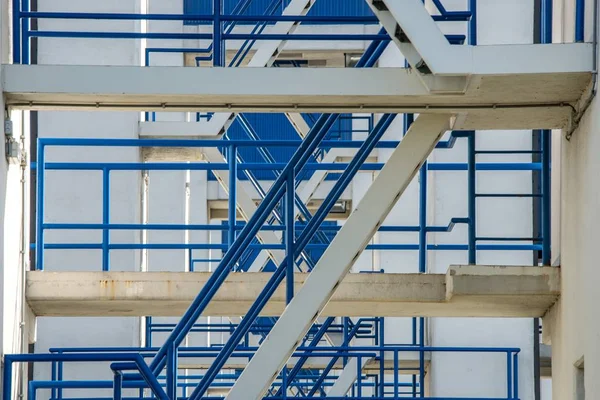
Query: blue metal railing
{"type": "Point", "coordinates": [222, 27]}
{"type": "Point", "coordinates": [391, 379]}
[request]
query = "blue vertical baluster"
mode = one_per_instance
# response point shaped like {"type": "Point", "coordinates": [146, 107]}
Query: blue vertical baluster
{"type": "Point", "coordinates": [509, 375]}
{"type": "Point", "coordinates": [382, 357]}
{"type": "Point", "coordinates": [473, 23]}
{"type": "Point", "coordinates": [172, 372]}
{"type": "Point", "coordinates": [580, 21]}
{"type": "Point", "coordinates": [471, 198]}
{"type": "Point", "coordinates": [105, 218]}
{"type": "Point", "coordinates": [546, 197]}
{"type": "Point", "coordinates": [516, 376]}
{"type": "Point", "coordinates": [289, 236]}
{"type": "Point", "coordinates": [284, 383]}
{"type": "Point", "coordinates": [118, 386]}
{"type": "Point", "coordinates": [396, 372]}
{"type": "Point", "coordinates": [358, 376]}
{"type": "Point", "coordinates": [25, 29]}
{"type": "Point", "coordinates": [217, 30]}
{"type": "Point", "coordinates": [39, 247]}
{"type": "Point", "coordinates": [231, 233]}
{"type": "Point", "coordinates": [16, 10]}
{"type": "Point", "coordinates": [546, 24]}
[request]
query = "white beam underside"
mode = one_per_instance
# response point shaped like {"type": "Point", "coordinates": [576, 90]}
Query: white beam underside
{"type": "Point", "coordinates": [465, 291]}
{"type": "Point", "coordinates": [339, 257]}
{"type": "Point", "coordinates": [492, 101]}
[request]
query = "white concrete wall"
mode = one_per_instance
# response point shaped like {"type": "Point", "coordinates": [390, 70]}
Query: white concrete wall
{"type": "Point", "coordinates": [77, 196]}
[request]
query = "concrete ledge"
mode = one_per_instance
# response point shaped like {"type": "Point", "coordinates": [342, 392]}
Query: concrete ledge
{"type": "Point", "coordinates": [465, 291]}
{"type": "Point", "coordinates": [531, 99]}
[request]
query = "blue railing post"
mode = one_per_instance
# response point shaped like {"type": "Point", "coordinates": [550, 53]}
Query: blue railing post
{"type": "Point", "coordinates": [25, 24]}
{"type": "Point", "coordinates": [471, 172]}
{"type": "Point", "coordinates": [290, 217]}
{"type": "Point", "coordinates": [105, 218]}
{"type": "Point", "coordinates": [39, 240]}
{"type": "Point", "coordinates": [516, 375]}
{"type": "Point", "coordinates": [473, 23]}
{"type": "Point", "coordinates": [232, 212]}
{"type": "Point", "coordinates": [546, 197]}
{"type": "Point", "coordinates": [118, 385]}
{"type": "Point", "coordinates": [580, 21]}
{"type": "Point", "coordinates": [172, 372]}
{"type": "Point", "coordinates": [546, 24]}
{"type": "Point", "coordinates": [16, 28]}
{"type": "Point", "coordinates": [217, 31]}
{"type": "Point", "coordinates": [509, 376]}
{"type": "Point", "coordinates": [7, 378]}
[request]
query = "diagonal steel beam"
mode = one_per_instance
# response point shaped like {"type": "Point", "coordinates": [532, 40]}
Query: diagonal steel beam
{"type": "Point", "coordinates": [347, 378]}
{"type": "Point", "coordinates": [339, 257]}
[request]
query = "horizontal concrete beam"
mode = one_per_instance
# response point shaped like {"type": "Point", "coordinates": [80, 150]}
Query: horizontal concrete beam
{"type": "Point", "coordinates": [497, 101]}
{"type": "Point", "coordinates": [465, 291]}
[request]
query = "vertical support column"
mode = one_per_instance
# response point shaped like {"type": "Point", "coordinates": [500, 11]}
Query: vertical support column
{"type": "Point", "coordinates": [16, 30]}
{"type": "Point", "coordinates": [39, 240]}
{"type": "Point", "coordinates": [516, 375]}
{"type": "Point", "coordinates": [217, 30]}
{"type": "Point", "coordinates": [381, 359]}
{"type": "Point", "coordinates": [232, 211]}
{"type": "Point", "coordinates": [509, 376]}
{"type": "Point", "coordinates": [105, 218]}
{"type": "Point", "coordinates": [546, 21]}
{"type": "Point", "coordinates": [472, 199]}
{"type": "Point", "coordinates": [289, 235]}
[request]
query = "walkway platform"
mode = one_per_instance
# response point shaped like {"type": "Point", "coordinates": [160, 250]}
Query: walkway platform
{"type": "Point", "coordinates": [519, 97]}
{"type": "Point", "coordinates": [465, 291]}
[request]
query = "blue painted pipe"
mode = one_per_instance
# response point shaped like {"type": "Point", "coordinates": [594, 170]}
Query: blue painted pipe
{"type": "Point", "coordinates": [580, 21]}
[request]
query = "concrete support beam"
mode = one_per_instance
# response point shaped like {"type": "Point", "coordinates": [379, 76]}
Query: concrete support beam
{"type": "Point", "coordinates": [531, 99]}
{"type": "Point", "coordinates": [517, 292]}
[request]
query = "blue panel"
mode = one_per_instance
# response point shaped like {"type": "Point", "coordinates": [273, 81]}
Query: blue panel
{"type": "Point", "coordinates": [346, 8]}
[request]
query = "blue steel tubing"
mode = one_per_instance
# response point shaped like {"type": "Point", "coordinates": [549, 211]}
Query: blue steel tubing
{"type": "Point", "coordinates": [39, 236]}
{"type": "Point", "coordinates": [546, 25]}
{"type": "Point", "coordinates": [323, 375]}
{"type": "Point", "coordinates": [580, 20]}
{"type": "Point", "coordinates": [118, 386]}
{"type": "Point", "coordinates": [473, 23]}
{"type": "Point", "coordinates": [381, 358]}
{"type": "Point", "coordinates": [25, 30]}
{"type": "Point", "coordinates": [16, 21]}
{"type": "Point", "coordinates": [300, 157]}
{"type": "Point", "coordinates": [313, 343]}
{"type": "Point", "coordinates": [218, 59]}
{"type": "Point", "coordinates": [302, 241]}
{"type": "Point", "coordinates": [172, 371]}
{"type": "Point", "coordinates": [275, 166]}
{"type": "Point", "coordinates": [233, 17]}
{"type": "Point", "coordinates": [516, 375]}
{"type": "Point", "coordinates": [233, 178]}
{"type": "Point", "coordinates": [546, 197]}
{"type": "Point", "coordinates": [270, 160]}
{"type": "Point", "coordinates": [472, 200]}
{"type": "Point", "coordinates": [240, 55]}
{"type": "Point", "coordinates": [289, 237]}
{"type": "Point", "coordinates": [509, 376]}
{"type": "Point", "coordinates": [105, 219]}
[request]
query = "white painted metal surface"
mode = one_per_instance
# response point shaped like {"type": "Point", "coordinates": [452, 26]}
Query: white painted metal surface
{"type": "Point", "coordinates": [340, 256]}
{"type": "Point", "coordinates": [426, 43]}
{"type": "Point", "coordinates": [347, 378]}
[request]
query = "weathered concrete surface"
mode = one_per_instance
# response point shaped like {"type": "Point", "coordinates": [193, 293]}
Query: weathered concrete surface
{"type": "Point", "coordinates": [465, 291]}
{"type": "Point", "coordinates": [533, 99]}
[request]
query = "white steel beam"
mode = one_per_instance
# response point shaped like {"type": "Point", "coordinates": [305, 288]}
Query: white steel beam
{"type": "Point", "coordinates": [347, 378]}
{"type": "Point", "coordinates": [425, 47]}
{"type": "Point", "coordinates": [339, 257]}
